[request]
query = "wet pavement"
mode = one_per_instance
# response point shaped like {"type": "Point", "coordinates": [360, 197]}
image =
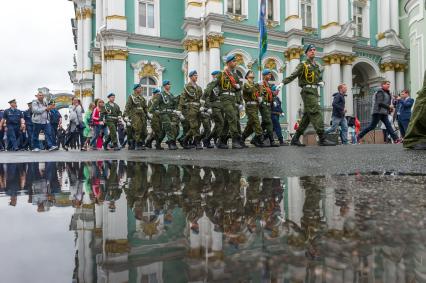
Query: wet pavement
{"type": "Point", "coordinates": [131, 221]}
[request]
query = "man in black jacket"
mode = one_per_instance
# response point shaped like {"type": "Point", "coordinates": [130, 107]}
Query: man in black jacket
{"type": "Point", "coordinates": [381, 105]}
{"type": "Point", "coordinates": [338, 116]}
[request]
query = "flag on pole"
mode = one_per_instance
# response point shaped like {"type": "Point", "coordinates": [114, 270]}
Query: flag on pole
{"type": "Point", "coordinates": [263, 34]}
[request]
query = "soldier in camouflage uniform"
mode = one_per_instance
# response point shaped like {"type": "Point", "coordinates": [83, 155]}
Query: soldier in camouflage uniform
{"type": "Point", "coordinates": [251, 97]}
{"type": "Point", "coordinates": [190, 98]}
{"type": "Point", "coordinates": [265, 104]}
{"type": "Point", "coordinates": [155, 122]}
{"type": "Point", "coordinates": [416, 133]}
{"type": "Point", "coordinates": [165, 104]}
{"type": "Point", "coordinates": [111, 113]}
{"type": "Point", "coordinates": [309, 74]}
{"type": "Point", "coordinates": [135, 112]}
{"type": "Point", "coordinates": [228, 83]}
{"type": "Point", "coordinates": [211, 95]}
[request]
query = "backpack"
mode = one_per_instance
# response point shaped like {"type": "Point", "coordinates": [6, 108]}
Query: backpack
{"type": "Point", "coordinates": [351, 122]}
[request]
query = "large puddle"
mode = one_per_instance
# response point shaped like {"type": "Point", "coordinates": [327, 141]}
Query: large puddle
{"type": "Point", "coordinates": [137, 222]}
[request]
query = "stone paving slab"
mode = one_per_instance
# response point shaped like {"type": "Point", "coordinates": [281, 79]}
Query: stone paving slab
{"type": "Point", "coordinates": [283, 161]}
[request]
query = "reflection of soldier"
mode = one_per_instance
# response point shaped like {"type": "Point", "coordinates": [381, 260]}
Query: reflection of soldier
{"type": "Point", "coordinates": [112, 185]}
{"type": "Point", "coordinates": [138, 182]}
{"type": "Point", "coordinates": [135, 112]}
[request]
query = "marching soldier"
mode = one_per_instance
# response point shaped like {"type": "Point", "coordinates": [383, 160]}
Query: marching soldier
{"type": "Point", "coordinates": [211, 96]}
{"type": "Point", "coordinates": [190, 98]}
{"type": "Point", "coordinates": [154, 116]}
{"type": "Point", "coordinates": [164, 103]}
{"type": "Point", "coordinates": [13, 120]}
{"type": "Point", "coordinates": [111, 113]}
{"type": "Point", "coordinates": [229, 87]}
{"type": "Point", "coordinates": [251, 96]}
{"type": "Point", "coordinates": [266, 99]}
{"type": "Point", "coordinates": [310, 78]}
{"type": "Point", "coordinates": [135, 112]}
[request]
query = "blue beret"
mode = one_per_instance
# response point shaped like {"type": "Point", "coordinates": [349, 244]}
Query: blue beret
{"type": "Point", "coordinates": [193, 72]}
{"type": "Point", "coordinates": [166, 82]}
{"type": "Point", "coordinates": [135, 86]}
{"type": "Point", "coordinates": [214, 73]}
{"type": "Point", "coordinates": [266, 72]}
{"type": "Point", "coordinates": [111, 94]}
{"type": "Point", "coordinates": [309, 47]}
{"type": "Point", "coordinates": [230, 58]}
{"type": "Point", "coordinates": [156, 90]}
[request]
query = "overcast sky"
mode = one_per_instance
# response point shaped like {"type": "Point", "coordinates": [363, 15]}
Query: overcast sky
{"type": "Point", "coordinates": [36, 48]}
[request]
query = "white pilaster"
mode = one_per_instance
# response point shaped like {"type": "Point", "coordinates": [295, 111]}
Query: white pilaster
{"type": "Point", "coordinates": [99, 14]}
{"type": "Point", "coordinates": [390, 76]}
{"type": "Point", "coordinates": [115, 15]}
{"type": "Point", "coordinates": [335, 80]}
{"type": "Point", "coordinates": [193, 56]}
{"type": "Point", "coordinates": [384, 9]}
{"type": "Point", "coordinates": [214, 42]}
{"type": "Point", "coordinates": [347, 79]}
{"type": "Point", "coordinates": [292, 17]}
{"type": "Point", "coordinates": [331, 24]}
{"type": "Point", "coordinates": [394, 16]}
{"type": "Point", "coordinates": [294, 100]}
{"type": "Point", "coordinates": [115, 76]}
{"type": "Point", "coordinates": [343, 12]}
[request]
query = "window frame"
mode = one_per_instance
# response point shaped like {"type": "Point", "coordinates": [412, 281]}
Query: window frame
{"type": "Point", "coordinates": [148, 86]}
{"type": "Point", "coordinates": [155, 31]}
{"type": "Point", "coordinates": [314, 13]}
{"type": "Point", "coordinates": [365, 6]}
{"type": "Point", "coordinates": [244, 8]}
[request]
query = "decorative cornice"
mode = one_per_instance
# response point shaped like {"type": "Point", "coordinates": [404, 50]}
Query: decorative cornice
{"type": "Point", "coordinates": [192, 44]}
{"type": "Point", "coordinates": [117, 246]}
{"type": "Point", "coordinates": [272, 24]}
{"type": "Point", "coordinates": [116, 17]}
{"type": "Point", "coordinates": [118, 54]}
{"type": "Point", "coordinates": [84, 13]}
{"type": "Point", "coordinates": [291, 17]}
{"type": "Point", "coordinates": [148, 70]}
{"type": "Point", "coordinates": [330, 24]}
{"type": "Point", "coordinates": [87, 93]}
{"type": "Point", "coordinates": [337, 58]}
{"type": "Point", "coordinates": [195, 3]}
{"type": "Point", "coordinates": [293, 53]}
{"type": "Point", "coordinates": [97, 69]}
{"type": "Point", "coordinates": [215, 40]}
{"type": "Point", "coordinates": [393, 66]}
{"type": "Point", "coordinates": [237, 18]}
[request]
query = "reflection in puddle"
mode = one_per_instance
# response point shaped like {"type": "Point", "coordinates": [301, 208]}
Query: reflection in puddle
{"type": "Point", "coordinates": [139, 222]}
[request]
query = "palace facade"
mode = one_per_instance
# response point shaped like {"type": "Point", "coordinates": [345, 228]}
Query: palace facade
{"type": "Point", "coordinates": [122, 42]}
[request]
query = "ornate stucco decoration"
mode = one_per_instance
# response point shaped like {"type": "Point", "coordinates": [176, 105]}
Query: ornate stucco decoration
{"type": "Point", "coordinates": [119, 54]}
{"type": "Point", "coordinates": [84, 13]}
{"type": "Point", "coordinates": [97, 68]}
{"type": "Point", "coordinates": [215, 40]}
{"type": "Point", "coordinates": [192, 44]}
{"type": "Point", "coordinates": [293, 53]}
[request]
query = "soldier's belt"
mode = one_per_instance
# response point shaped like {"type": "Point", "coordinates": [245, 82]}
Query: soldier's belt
{"type": "Point", "coordinates": [251, 103]}
{"type": "Point", "coordinates": [266, 103]}
{"type": "Point", "coordinates": [139, 108]}
{"type": "Point", "coordinates": [311, 86]}
{"type": "Point", "coordinates": [229, 93]}
{"type": "Point", "coordinates": [194, 103]}
{"type": "Point", "coordinates": [167, 111]}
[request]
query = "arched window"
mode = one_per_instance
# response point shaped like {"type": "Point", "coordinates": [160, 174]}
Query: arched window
{"type": "Point", "coordinates": [148, 85]}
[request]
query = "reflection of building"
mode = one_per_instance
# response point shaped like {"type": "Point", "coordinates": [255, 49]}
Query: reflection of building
{"type": "Point", "coordinates": [125, 42]}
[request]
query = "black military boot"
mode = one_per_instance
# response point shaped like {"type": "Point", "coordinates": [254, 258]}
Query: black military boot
{"type": "Point", "coordinates": [158, 145]}
{"type": "Point", "coordinates": [258, 141]}
{"type": "Point", "coordinates": [323, 141]}
{"type": "Point", "coordinates": [272, 142]}
{"type": "Point", "coordinates": [140, 146]}
{"type": "Point", "coordinates": [172, 145]}
{"type": "Point", "coordinates": [207, 143]}
{"type": "Point", "coordinates": [243, 141]}
{"type": "Point", "coordinates": [295, 140]}
{"type": "Point", "coordinates": [116, 148]}
{"type": "Point", "coordinates": [198, 145]}
{"type": "Point", "coordinates": [186, 144]}
{"type": "Point", "coordinates": [105, 144]}
{"type": "Point", "coordinates": [222, 143]}
{"type": "Point", "coordinates": [149, 141]}
{"type": "Point", "coordinates": [131, 145]}
{"type": "Point", "coordinates": [236, 143]}
{"type": "Point", "coordinates": [282, 143]}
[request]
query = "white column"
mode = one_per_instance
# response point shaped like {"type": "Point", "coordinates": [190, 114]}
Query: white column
{"type": "Point", "coordinates": [115, 16]}
{"type": "Point", "coordinates": [292, 17]}
{"type": "Point", "coordinates": [99, 14]}
{"type": "Point", "coordinates": [347, 79]}
{"type": "Point", "coordinates": [296, 198]}
{"type": "Point", "coordinates": [343, 12]}
{"type": "Point", "coordinates": [331, 18]}
{"type": "Point", "coordinates": [384, 9]}
{"type": "Point", "coordinates": [394, 16]}
{"type": "Point", "coordinates": [192, 47]}
{"type": "Point", "coordinates": [79, 45]}
{"type": "Point", "coordinates": [335, 80]}
{"type": "Point", "coordinates": [389, 69]}
{"type": "Point", "coordinates": [400, 83]}
{"type": "Point", "coordinates": [293, 90]}
{"type": "Point", "coordinates": [87, 96]}
{"type": "Point", "coordinates": [115, 75]}
{"type": "Point", "coordinates": [215, 42]}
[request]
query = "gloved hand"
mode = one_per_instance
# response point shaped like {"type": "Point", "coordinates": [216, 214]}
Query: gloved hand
{"type": "Point", "coordinates": [280, 86]}
{"type": "Point", "coordinates": [237, 86]}
{"type": "Point", "coordinates": [209, 111]}
{"type": "Point", "coordinates": [241, 107]}
{"type": "Point", "coordinates": [181, 117]}
{"type": "Point", "coordinates": [202, 109]}
{"type": "Point", "coordinates": [126, 119]}
{"type": "Point", "coordinates": [260, 99]}
{"type": "Point", "coordinates": [202, 102]}
{"type": "Point", "coordinates": [282, 114]}
{"type": "Point", "coordinates": [321, 84]}
{"type": "Point", "coordinates": [149, 116]}
{"type": "Point", "coordinates": [177, 112]}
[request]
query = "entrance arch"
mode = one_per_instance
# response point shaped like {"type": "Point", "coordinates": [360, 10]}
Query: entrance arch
{"type": "Point", "coordinates": [366, 76]}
